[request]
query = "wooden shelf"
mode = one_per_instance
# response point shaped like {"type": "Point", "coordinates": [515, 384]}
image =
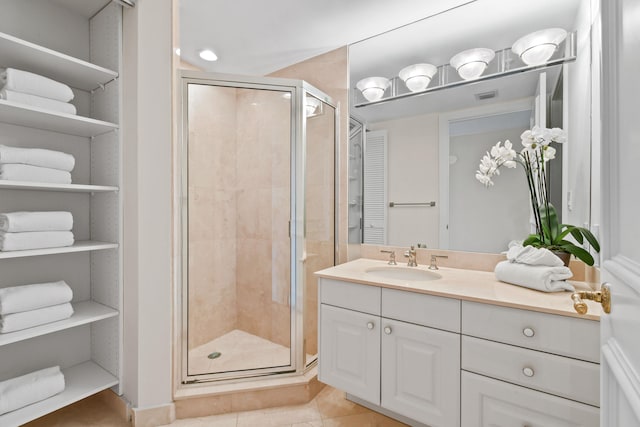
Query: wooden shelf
{"type": "Point", "coordinates": [39, 118]}
{"type": "Point", "coordinates": [83, 313]}
{"type": "Point", "coordinates": [45, 186]}
{"type": "Point", "coordinates": [81, 381]}
{"type": "Point", "coordinates": [79, 246]}
{"type": "Point", "coordinates": [27, 56]}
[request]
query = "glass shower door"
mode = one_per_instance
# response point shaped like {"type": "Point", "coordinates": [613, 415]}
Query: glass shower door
{"type": "Point", "coordinates": [238, 250]}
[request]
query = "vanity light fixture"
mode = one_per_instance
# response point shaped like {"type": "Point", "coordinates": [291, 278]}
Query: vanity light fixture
{"type": "Point", "coordinates": [471, 63]}
{"type": "Point", "coordinates": [208, 55]}
{"type": "Point", "coordinates": [417, 76]}
{"type": "Point", "coordinates": [373, 88]}
{"type": "Point", "coordinates": [536, 48]}
{"type": "Point", "coordinates": [178, 51]}
{"type": "Point", "coordinates": [312, 106]}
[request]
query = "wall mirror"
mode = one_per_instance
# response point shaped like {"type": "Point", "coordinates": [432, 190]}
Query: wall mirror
{"type": "Point", "coordinates": [421, 152]}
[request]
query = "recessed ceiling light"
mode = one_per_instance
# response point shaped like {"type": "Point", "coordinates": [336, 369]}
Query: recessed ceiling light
{"type": "Point", "coordinates": [208, 55]}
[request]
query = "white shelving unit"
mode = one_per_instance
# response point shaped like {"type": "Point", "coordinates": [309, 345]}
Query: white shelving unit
{"type": "Point", "coordinates": [87, 346]}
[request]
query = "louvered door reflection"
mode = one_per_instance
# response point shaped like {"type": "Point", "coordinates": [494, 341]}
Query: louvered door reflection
{"type": "Point", "coordinates": [375, 188]}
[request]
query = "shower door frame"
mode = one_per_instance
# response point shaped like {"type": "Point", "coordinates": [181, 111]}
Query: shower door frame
{"type": "Point", "coordinates": [297, 167]}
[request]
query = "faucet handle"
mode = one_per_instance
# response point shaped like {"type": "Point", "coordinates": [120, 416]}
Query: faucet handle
{"type": "Point", "coordinates": [392, 256]}
{"type": "Point", "coordinates": [434, 259]}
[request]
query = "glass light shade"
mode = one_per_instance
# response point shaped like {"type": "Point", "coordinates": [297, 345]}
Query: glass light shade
{"type": "Point", "coordinates": [311, 106]}
{"type": "Point", "coordinates": [417, 76]}
{"type": "Point", "coordinates": [536, 48]}
{"type": "Point", "coordinates": [470, 64]}
{"type": "Point", "coordinates": [373, 88]}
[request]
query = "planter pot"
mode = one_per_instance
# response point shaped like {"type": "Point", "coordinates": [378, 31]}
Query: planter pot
{"type": "Point", "coordinates": [564, 256]}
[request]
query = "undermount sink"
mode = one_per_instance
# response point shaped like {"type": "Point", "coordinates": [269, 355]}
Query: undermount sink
{"type": "Point", "coordinates": [403, 273]}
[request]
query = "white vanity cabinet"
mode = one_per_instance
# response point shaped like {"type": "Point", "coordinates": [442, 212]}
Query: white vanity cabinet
{"type": "Point", "coordinates": [381, 346]}
{"type": "Point", "coordinates": [524, 368]}
{"type": "Point", "coordinates": [79, 43]}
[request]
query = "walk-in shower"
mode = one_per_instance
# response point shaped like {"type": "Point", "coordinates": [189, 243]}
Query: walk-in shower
{"type": "Point", "coordinates": [258, 217]}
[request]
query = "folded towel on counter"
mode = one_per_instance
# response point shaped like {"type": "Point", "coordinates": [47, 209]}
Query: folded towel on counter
{"type": "Point", "coordinates": [16, 172]}
{"type": "Point", "coordinates": [19, 392]}
{"type": "Point", "coordinates": [38, 101]}
{"type": "Point", "coordinates": [532, 256]}
{"type": "Point", "coordinates": [15, 222]}
{"type": "Point", "coordinates": [37, 157]}
{"type": "Point", "coordinates": [538, 277]}
{"type": "Point", "coordinates": [17, 299]}
{"type": "Point", "coordinates": [35, 240]}
{"type": "Point", "coordinates": [34, 84]}
{"type": "Point", "coordinates": [28, 319]}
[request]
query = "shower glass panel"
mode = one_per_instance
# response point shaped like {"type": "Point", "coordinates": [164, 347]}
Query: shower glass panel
{"type": "Point", "coordinates": [238, 174]}
{"type": "Point", "coordinates": [319, 206]}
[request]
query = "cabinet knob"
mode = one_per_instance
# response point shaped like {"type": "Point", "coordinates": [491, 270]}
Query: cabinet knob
{"type": "Point", "coordinates": [528, 372]}
{"type": "Point", "coordinates": [370, 325]}
{"type": "Point", "coordinates": [387, 330]}
{"type": "Point", "coordinates": [528, 332]}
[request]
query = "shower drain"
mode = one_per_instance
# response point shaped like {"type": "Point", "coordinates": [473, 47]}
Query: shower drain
{"type": "Point", "coordinates": [214, 355]}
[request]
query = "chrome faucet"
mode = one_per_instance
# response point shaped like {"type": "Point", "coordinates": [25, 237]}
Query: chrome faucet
{"type": "Point", "coordinates": [434, 259]}
{"type": "Point", "coordinates": [392, 256]}
{"type": "Point", "coordinates": [411, 255]}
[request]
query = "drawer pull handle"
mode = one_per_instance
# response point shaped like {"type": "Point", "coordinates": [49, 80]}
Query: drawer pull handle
{"type": "Point", "coordinates": [528, 372]}
{"type": "Point", "coordinates": [528, 332]}
{"type": "Point", "coordinates": [387, 330]}
{"type": "Point", "coordinates": [370, 325]}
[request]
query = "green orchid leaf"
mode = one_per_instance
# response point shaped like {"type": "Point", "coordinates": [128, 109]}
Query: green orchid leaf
{"type": "Point", "coordinates": [532, 240]}
{"type": "Point", "coordinates": [591, 239]}
{"type": "Point", "coordinates": [579, 253]}
{"type": "Point", "coordinates": [575, 233]}
{"type": "Point", "coordinates": [550, 223]}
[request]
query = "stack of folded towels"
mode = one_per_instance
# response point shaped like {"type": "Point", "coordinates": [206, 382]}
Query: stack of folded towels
{"type": "Point", "coordinates": [35, 164]}
{"type": "Point", "coordinates": [23, 87]}
{"type": "Point", "coordinates": [19, 392]}
{"type": "Point", "coordinates": [35, 230]}
{"type": "Point", "coordinates": [535, 268]}
{"type": "Point", "coordinates": [26, 306]}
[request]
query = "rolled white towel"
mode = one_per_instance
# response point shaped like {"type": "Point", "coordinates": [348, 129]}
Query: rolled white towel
{"type": "Point", "coordinates": [15, 222]}
{"type": "Point", "coordinates": [35, 240]}
{"type": "Point", "coordinates": [28, 319]}
{"type": "Point", "coordinates": [17, 172]}
{"type": "Point", "coordinates": [532, 256]}
{"type": "Point", "coordinates": [16, 299]}
{"type": "Point", "coordinates": [37, 157]}
{"type": "Point", "coordinates": [19, 392]}
{"type": "Point", "coordinates": [35, 84]}
{"type": "Point", "coordinates": [38, 101]}
{"type": "Point", "coordinates": [538, 277]}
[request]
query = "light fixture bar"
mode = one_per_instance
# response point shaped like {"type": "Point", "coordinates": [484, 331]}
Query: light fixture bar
{"type": "Point", "coordinates": [504, 59]}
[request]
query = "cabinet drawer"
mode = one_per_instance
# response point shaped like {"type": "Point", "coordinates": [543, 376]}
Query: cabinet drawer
{"type": "Point", "coordinates": [362, 298]}
{"type": "Point", "coordinates": [570, 378]}
{"type": "Point", "coordinates": [489, 402]}
{"type": "Point", "coordinates": [426, 310]}
{"type": "Point", "coordinates": [567, 336]}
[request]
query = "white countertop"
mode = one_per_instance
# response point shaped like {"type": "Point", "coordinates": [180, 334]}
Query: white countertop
{"type": "Point", "coordinates": [468, 285]}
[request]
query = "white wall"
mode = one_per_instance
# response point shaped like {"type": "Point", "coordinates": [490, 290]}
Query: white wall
{"type": "Point", "coordinates": [147, 85]}
{"type": "Point", "coordinates": [412, 178]}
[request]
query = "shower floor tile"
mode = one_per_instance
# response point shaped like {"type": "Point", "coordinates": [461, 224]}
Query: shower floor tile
{"type": "Point", "coordinates": [239, 351]}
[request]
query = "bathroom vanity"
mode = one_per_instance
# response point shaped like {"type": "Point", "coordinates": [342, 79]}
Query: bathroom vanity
{"type": "Point", "coordinates": [456, 347]}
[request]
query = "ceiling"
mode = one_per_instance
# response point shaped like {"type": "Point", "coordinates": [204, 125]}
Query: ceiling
{"type": "Point", "coordinates": [278, 33]}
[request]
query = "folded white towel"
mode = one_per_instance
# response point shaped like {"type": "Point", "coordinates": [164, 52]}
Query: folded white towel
{"type": "Point", "coordinates": [19, 392]}
{"type": "Point", "coordinates": [538, 277]}
{"type": "Point", "coordinates": [15, 222]}
{"type": "Point", "coordinates": [17, 172]}
{"type": "Point", "coordinates": [16, 299]}
{"type": "Point", "coordinates": [37, 157]}
{"type": "Point", "coordinates": [532, 256]}
{"type": "Point", "coordinates": [35, 240]}
{"type": "Point", "coordinates": [28, 319]}
{"type": "Point", "coordinates": [35, 84]}
{"type": "Point", "coordinates": [38, 101]}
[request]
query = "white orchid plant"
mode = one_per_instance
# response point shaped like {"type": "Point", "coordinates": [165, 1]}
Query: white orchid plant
{"type": "Point", "coordinates": [533, 157]}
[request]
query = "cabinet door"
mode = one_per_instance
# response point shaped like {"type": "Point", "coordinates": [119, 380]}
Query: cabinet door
{"type": "Point", "coordinates": [421, 373]}
{"type": "Point", "coordinates": [489, 402]}
{"type": "Point", "coordinates": [350, 352]}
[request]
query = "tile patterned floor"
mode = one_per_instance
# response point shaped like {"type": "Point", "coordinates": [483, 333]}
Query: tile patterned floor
{"type": "Point", "coordinates": [328, 409]}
